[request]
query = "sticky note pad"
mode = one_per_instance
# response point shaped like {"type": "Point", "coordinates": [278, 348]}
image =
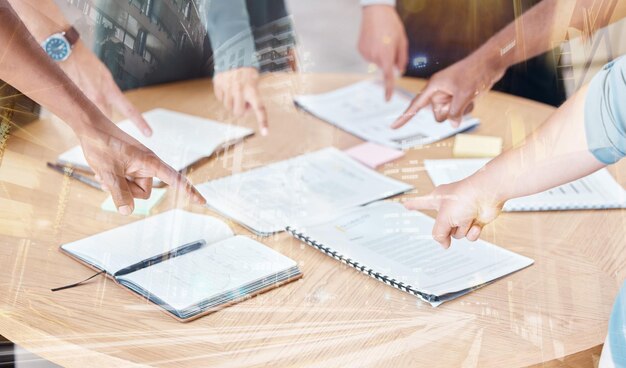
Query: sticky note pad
{"type": "Point", "coordinates": [142, 206]}
{"type": "Point", "coordinates": [471, 145]}
{"type": "Point", "coordinates": [372, 154]}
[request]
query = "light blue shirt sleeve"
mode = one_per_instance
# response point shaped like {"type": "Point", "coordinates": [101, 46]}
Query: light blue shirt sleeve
{"type": "Point", "coordinates": [605, 113]}
{"type": "Point", "coordinates": [617, 329]}
{"type": "Point", "coordinates": [228, 25]}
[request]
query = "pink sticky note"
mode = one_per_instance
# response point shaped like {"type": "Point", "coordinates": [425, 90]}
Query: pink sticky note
{"type": "Point", "coordinates": [372, 154]}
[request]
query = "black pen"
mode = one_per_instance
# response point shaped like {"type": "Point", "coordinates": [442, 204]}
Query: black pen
{"type": "Point", "coordinates": [66, 170]}
{"type": "Point", "coordinates": [184, 249]}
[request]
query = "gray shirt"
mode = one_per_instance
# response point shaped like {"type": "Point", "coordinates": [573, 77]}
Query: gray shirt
{"type": "Point", "coordinates": [228, 25]}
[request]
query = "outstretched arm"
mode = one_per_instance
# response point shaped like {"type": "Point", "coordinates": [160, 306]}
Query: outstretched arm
{"type": "Point", "coordinates": [452, 91]}
{"type": "Point", "coordinates": [124, 166]}
{"type": "Point", "coordinates": [44, 18]}
{"type": "Point", "coordinates": [585, 134]}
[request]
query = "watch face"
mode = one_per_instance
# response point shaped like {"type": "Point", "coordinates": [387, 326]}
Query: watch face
{"type": "Point", "coordinates": [57, 47]}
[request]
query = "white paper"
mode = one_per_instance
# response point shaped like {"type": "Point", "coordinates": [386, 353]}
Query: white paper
{"type": "Point", "coordinates": [270, 198]}
{"type": "Point", "coordinates": [126, 245]}
{"type": "Point", "coordinates": [229, 265]}
{"type": "Point", "coordinates": [361, 109]}
{"type": "Point", "coordinates": [397, 243]}
{"type": "Point", "coordinates": [596, 191]}
{"type": "Point", "coordinates": [178, 139]}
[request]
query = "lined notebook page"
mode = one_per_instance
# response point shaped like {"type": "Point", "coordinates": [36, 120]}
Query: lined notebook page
{"type": "Point", "coordinates": [361, 109]}
{"type": "Point", "coordinates": [178, 139]}
{"type": "Point", "coordinates": [397, 243]}
{"type": "Point", "coordinates": [269, 198]}
{"type": "Point", "coordinates": [598, 190]}
{"type": "Point", "coordinates": [228, 265]}
{"type": "Point", "coordinates": [126, 245]}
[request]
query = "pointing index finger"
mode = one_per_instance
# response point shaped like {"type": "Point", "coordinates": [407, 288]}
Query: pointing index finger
{"type": "Point", "coordinates": [422, 100]}
{"type": "Point", "coordinates": [175, 179]}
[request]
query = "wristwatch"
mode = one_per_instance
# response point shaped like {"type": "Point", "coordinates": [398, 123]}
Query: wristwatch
{"type": "Point", "coordinates": [59, 45]}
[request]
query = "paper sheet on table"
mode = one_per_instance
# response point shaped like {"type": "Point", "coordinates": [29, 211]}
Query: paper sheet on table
{"type": "Point", "coordinates": [596, 191]}
{"type": "Point", "coordinates": [269, 198]}
{"type": "Point", "coordinates": [361, 109]}
{"type": "Point", "coordinates": [178, 139]}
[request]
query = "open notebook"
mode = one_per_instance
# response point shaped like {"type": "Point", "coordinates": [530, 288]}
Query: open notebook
{"type": "Point", "coordinates": [188, 264]}
{"type": "Point", "coordinates": [178, 139]}
{"type": "Point", "coordinates": [596, 191]}
{"type": "Point", "coordinates": [361, 109]}
{"type": "Point", "coordinates": [394, 245]}
{"type": "Point", "coordinates": [268, 199]}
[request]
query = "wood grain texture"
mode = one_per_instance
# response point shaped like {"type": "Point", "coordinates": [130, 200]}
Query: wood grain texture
{"type": "Point", "coordinates": [334, 316]}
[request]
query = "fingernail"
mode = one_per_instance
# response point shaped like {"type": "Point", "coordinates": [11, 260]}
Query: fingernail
{"type": "Point", "coordinates": [125, 210]}
{"type": "Point", "coordinates": [473, 233]}
{"type": "Point", "coordinates": [264, 131]}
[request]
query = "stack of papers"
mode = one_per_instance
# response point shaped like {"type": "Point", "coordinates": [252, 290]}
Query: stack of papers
{"type": "Point", "coordinates": [361, 109]}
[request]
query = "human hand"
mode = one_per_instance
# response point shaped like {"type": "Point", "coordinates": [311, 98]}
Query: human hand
{"type": "Point", "coordinates": [237, 90]}
{"type": "Point", "coordinates": [125, 167]}
{"type": "Point", "coordinates": [463, 210]}
{"type": "Point", "coordinates": [383, 42]}
{"type": "Point", "coordinates": [96, 82]}
{"type": "Point", "coordinates": [451, 92]}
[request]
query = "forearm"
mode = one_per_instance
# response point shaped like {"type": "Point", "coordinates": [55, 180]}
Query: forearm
{"type": "Point", "coordinates": [555, 154]}
{"type": "Point", "coordinates": [41, 17]}
{"type": "Point", "coordinates": [26, 67]}
{"type": "Point", "coordinates": [544, 27]}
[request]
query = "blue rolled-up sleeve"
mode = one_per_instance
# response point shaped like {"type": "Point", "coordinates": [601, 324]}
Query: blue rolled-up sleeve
{"type": "Point", "coordinates": [617, 330]}
{"type": "Point", "coordinates": [605, 113]}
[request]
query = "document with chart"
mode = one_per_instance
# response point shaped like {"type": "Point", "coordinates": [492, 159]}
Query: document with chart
{"type": "Point", "coordinates": [268, 199]}
{"type": "Point", "coordinates": [386, 241]}
{"type": "Point", "coordinates": [361, 109]}
{"type": "Point", "coordinates": [596, 191]}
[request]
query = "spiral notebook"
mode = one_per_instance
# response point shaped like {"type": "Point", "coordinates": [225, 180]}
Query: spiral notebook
{"type": "Point", "coordinates": [360, 109]}
{"type": "Point", "coordinates": [386, 241]}
{"type": "Point", "coordinates": [188, 264]}
{"type": "Point", "coordinates": [596, 191]}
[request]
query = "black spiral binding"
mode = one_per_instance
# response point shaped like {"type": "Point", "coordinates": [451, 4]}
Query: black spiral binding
{"type": "Point", "coordinates": [364, 269]}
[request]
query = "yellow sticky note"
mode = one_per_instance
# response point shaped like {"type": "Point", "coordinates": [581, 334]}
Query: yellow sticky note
{"type": "Point", "coordinates": [142, 206]}
{"type": "Point", "coordinates": [471, 145]}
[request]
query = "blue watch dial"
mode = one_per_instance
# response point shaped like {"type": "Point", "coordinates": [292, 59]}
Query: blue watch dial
{"type": "Point", "coordinates": [58, 48]}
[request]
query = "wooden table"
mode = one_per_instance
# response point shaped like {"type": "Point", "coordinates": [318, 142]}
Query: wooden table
{"type": "Point", "coordinates": [334, 316]}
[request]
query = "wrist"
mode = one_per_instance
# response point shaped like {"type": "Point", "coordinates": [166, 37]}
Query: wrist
{"type": "Point", "coordinates": [77, 111]}
{"type": "Point", "coordinates": [491, 59]}
{"type": "Point", "coordinates": [494, 190]}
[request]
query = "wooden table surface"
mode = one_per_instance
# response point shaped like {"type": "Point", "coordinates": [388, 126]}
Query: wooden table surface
{"type": "Point", "coordinates": [334, 316]}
